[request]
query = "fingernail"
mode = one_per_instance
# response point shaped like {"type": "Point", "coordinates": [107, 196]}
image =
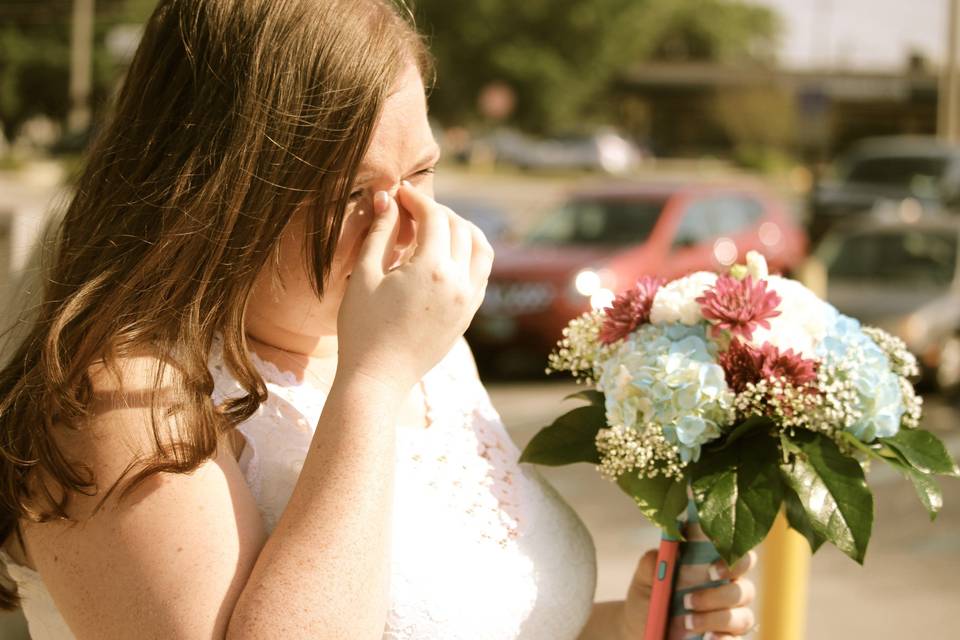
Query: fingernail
{"type": "Point", "coordinates": [381, 200]}
{"type": "Point", "coordinates": [688, 622]}
{"type": "Point", "coordinates": [688, 602]}
{"type": "Point", "coordinates": [406, 183]}
{"type": "Point", "coordinates": [709, 635]}
{"type": "Point", "coordinates": [714, 572]}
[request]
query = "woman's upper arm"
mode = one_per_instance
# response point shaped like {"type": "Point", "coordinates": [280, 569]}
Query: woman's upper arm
{"type": "Point", "coordinates": [169, 561]}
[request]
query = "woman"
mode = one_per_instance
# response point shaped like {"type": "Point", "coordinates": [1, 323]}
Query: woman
{"type": "Point", "coordinates": [254, 293]}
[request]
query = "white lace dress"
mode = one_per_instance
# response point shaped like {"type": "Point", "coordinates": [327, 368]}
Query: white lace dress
{"type": "Point", "coordinates": [482, 548]}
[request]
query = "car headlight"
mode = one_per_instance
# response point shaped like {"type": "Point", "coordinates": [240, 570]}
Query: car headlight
{"type": "Point", "coordinates": [588, 282]}
{"type": "Point", "coordinates": [602, 298]}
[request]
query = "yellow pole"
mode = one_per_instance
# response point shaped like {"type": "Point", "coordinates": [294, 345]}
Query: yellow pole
{"type": "Point", "coordinates": [784, 574]}
{"type": "Point", "coordinates": [785, 554]}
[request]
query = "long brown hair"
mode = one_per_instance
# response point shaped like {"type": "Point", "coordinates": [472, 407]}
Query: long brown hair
{"type": "Point", "coordinates": [233, 114]}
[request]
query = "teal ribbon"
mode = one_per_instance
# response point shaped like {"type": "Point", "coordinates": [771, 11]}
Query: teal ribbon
{"type": "Point", "coordinates": [693, 552]}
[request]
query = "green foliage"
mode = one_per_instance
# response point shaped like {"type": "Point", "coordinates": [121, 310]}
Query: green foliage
{"type": "Point", "coordinates": [924, 451]}
{"type": "Point", "coordinates": [34, 73]}
{"type": "Point", "coordinates": [562, 57]}
{"type": "Point", "coordinates": [832, 491]}
{"type": "Point", "coordinates": [35, 56]}
{"type": "Point", "coordinates": [738, 493]}
{"type": "Point", "coordinates": [926, 487]}
{"type": "Point", "coordinates": [748, 427]}
{"type": "Point", "coordinates": [740, 483]}
{"type": "Point", "coordinates": [660, 499]}
{"type": "Point", "coordinates": [798, 520]}
{"type": "Point", "coordinates": [571, 438]}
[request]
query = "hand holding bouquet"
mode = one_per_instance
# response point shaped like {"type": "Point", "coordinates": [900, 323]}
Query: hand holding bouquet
{"type": "Point", "coordinates": [742, 393]}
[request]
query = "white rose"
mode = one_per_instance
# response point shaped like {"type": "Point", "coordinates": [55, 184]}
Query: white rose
{"type": "Point", "coordinates": [803, 319]}
{"type": "Point", "coordinates": [677, 301]}
{"type": "Point", "coordinates": [757, 265]}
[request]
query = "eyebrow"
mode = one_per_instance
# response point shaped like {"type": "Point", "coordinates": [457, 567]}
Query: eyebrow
{"type": "Point", "coordinates": [431, 155]}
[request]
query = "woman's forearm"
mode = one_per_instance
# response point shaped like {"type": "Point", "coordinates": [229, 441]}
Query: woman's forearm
{"type": "Point", "coordinates": [605, 622]}
{"type": "Point", "coordinates": [324, 571]}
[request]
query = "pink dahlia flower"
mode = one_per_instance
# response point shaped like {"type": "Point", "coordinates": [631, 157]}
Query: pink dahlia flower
{"type": "Point", "coordinates": [744, 364]}
{"type": "Point", "coordinates": [739, 305]}
{"type": "Point", "coordinates": [630, 309]}
{"type": "Point", "coordinates": [796, 369]}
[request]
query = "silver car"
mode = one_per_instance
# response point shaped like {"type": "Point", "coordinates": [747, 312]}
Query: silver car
{"type": "Point", "coordinates": [904, 278]}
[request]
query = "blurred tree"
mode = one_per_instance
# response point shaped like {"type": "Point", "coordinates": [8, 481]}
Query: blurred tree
{"type": "Point", "coordinates": [562, 56]}
{"type": "Point", "coordinates": [35, 55]}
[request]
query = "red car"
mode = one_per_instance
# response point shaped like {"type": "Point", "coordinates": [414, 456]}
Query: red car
{"type": "Point", "coordinates": [601, 240]}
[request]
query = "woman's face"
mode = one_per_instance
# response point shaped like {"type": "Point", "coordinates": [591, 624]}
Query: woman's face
{"type": "Point", "coordinates": [401, 148]}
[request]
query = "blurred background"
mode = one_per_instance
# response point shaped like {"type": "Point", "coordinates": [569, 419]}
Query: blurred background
{"type": "Point", "coordinates": [598, 140]}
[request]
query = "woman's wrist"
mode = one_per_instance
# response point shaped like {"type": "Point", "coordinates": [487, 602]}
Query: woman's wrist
{"type": "Point", "coordinates": [354, 382]}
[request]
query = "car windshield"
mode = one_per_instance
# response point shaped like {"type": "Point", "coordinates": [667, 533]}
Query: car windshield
{"type": "Point", "coordinates": [605, 222]}
{"type": "Point", "coordinates": [916, 258]}
{"type": "Point", "coordinates": [916, 173]}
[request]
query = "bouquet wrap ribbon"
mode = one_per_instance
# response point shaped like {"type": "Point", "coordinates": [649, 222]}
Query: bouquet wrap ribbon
{"type": "Point", "coordinates": [696, 554]}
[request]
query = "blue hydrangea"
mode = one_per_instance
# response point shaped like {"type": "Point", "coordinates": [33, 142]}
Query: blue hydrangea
{"type": "Point", "coordinates": [667, 377]}
{"type": "Point", "coordinates": [856, 363]}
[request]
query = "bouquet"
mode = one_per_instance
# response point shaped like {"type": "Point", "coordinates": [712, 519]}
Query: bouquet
{"type": "Point", "coordinates": [736, 395]}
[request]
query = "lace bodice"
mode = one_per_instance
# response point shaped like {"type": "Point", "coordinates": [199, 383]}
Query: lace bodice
{"type": "Point", "coordinates": [483, 548]}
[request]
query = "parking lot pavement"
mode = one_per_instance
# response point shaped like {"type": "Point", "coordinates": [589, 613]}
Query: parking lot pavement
{"type": "Point", "coordinates": [907, 588]}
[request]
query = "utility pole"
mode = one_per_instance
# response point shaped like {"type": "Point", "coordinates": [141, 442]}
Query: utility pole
{"type": "Point", "coordinates": [948, 120]}
{"type": "Point", "coordinates": [81, 66]}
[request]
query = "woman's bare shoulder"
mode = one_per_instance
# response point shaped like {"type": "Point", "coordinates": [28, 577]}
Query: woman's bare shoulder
{"type": "Point", "coordinates": [128, 418]}
{"type": "Point", "coordinates": [154, 539]}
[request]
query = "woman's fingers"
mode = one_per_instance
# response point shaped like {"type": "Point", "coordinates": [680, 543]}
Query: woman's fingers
{"type": "Point", "coordinates": [736, 622]}
{"type": "Point", "coordinates": [378, 242]}
{"type": "Point", "coordinates": [743, 566]}
{"type": "Point", "coordinates": [481, 258]}
{"type": "Point", "coordinates": [739, 593]}
{"type": "Point", "coordinates": [433, 222]}
{"type": "Point", "coordinates": [461, 240]}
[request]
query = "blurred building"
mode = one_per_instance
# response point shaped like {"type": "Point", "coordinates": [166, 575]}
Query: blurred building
{"type": "Point", "coordinates": [811, 112]}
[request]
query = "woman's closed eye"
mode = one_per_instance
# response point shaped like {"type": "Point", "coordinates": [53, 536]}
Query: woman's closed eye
{"type": "Point", "coordinates": [359, 193]}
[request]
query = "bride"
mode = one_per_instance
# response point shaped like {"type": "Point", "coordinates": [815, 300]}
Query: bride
{"type": "Point", "coordinates": [244, 407]}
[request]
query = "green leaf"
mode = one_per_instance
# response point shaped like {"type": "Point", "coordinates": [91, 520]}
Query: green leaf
{"type": "Point", "coordinates": [746, 427]}
{"type": "Point", "coordinates": [798, 520]}
{"type": "Point", "coordinates": [832, 491]}
{"type": "Point", "coordinates": [924, 451]}
{"type": "Point", "coordinates": [738, 494]}
{"type": "Point", "coordinates": [927, 488]}
{"type": "Point", "coordinates": [660, 499]}
{"type": "Point", "coordinates": [592, 396]}
{"type": "Point", "coordinates": [571, 438]}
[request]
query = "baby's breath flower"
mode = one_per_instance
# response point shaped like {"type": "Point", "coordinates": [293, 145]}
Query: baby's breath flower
{"type": "Point", "coordinates": [625, 450]}
{"type": "Point", "coordinates": [580, 351]}
{"type": "Point", "coordinates": [902, 362]}
{"type": "Point", "coordinates": [788, 405]}
{"type": "Point", "coordinates": [913, 403]}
